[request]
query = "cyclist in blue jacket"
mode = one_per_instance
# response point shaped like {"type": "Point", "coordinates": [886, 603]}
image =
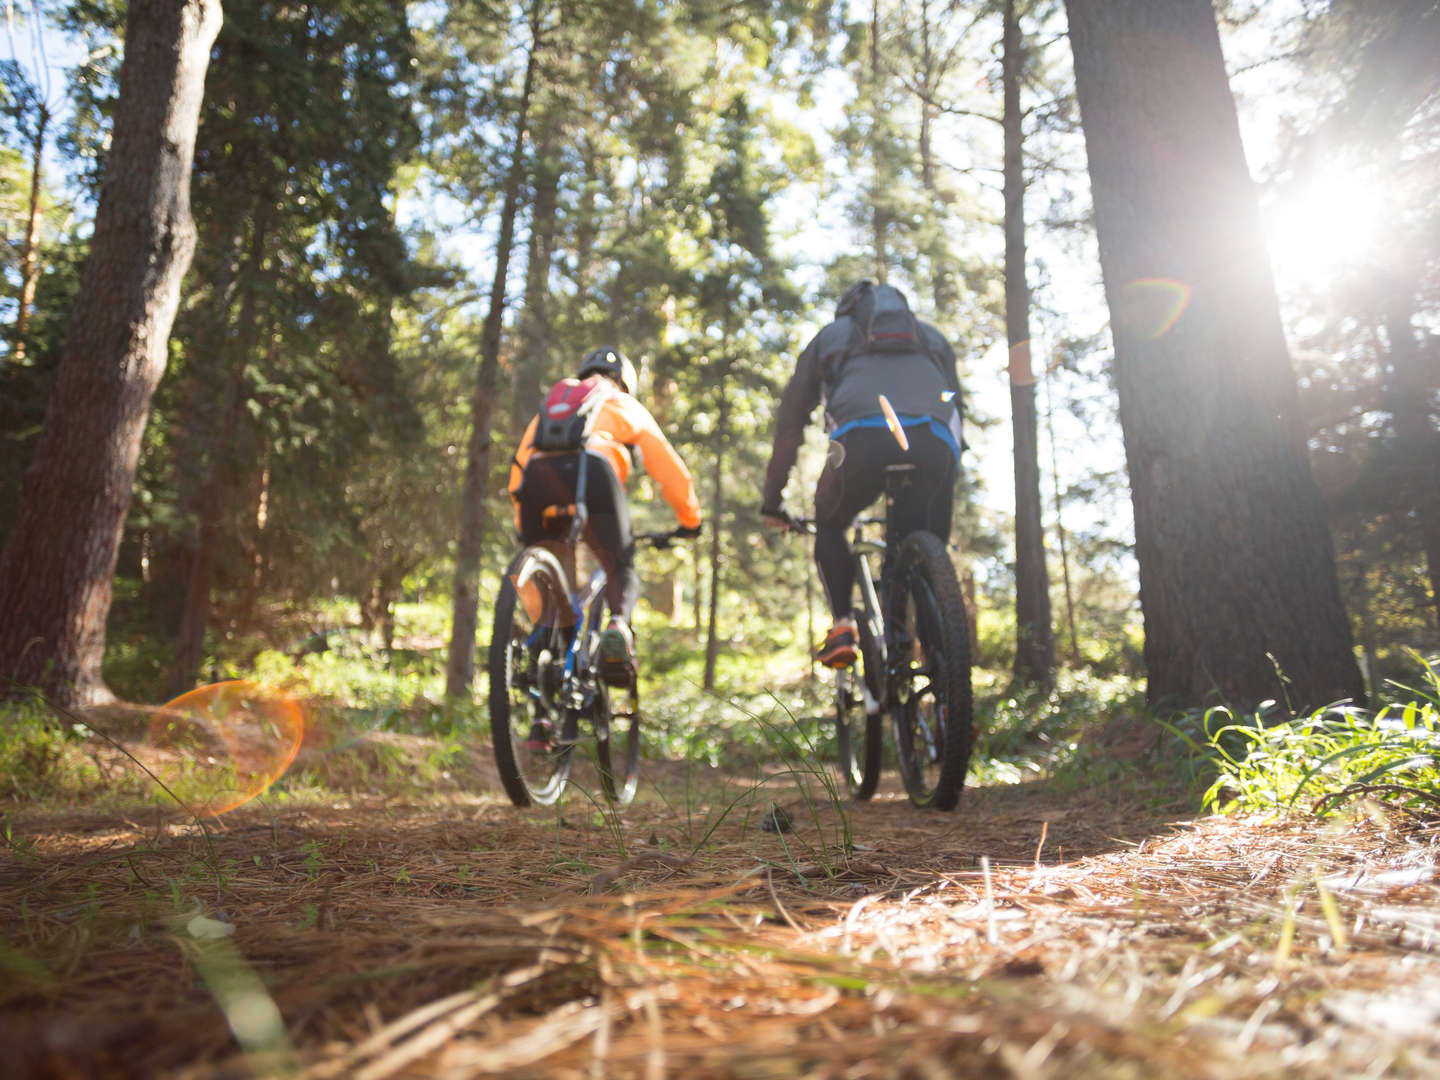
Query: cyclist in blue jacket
{"type": "Point", "coordinates": [875, 355]}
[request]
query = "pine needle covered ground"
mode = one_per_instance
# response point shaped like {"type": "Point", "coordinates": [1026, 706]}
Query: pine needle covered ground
{"type": "Point", "coordinates": [1042, 930]}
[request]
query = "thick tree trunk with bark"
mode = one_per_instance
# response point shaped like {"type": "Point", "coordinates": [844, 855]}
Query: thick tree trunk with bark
{"type": "Point", "coordinates": [1411, 390]}
{"type": "Point", "coordinates": [1034, 646]}
{"type": "Point", "coordinates": [56, 571]}
{"type": "Point", "coordinates": [460, 664]}
{"type": "Point", "coordinates": [1237, 569]}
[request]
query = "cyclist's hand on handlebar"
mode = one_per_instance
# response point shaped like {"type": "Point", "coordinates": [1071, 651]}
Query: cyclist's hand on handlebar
{"type": "Point", "coordinates": [776, 518]}
{"type": "Point", "coordinates": [687, 532]}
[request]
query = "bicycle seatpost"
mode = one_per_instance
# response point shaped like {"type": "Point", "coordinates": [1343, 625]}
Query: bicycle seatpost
{"type": "Point", "coordinates": [582, 513]}
{"type": "Point", "coordinates": [896, 477]}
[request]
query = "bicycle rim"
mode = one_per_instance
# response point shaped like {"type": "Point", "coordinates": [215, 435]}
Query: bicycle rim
{"type": "Point", "coordinates": [617, 744]}
{"type": "Point", "coordinates": [534, 739]}
{"type": "Point", "coordinates": [932, 708]}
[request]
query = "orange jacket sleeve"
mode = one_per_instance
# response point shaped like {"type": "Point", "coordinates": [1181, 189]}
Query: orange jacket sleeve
{"type": "Point", "coordinates": [628, 422]}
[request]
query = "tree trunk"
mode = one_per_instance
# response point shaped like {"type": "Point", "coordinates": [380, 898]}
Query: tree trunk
{"type": "Point", "coordinates": [712, 632]}
{"type": "Point", "coordinates": [1237, 568]}
{"type": "Point", "coordinates": [879, 217]}
{"type": "Point", "coordinates": [460, 665]}
{"type": "Point", "coordinates": [532, 365]}
{"type": "Point", "coordinates": [927, 103]}
{"type": "Point", "coordinates": [225, 459]}
{"type": "Point", "coordinates": [29, 251]}
{"type": "Point", "coordinates": [697, 611]}
{"type": "Point", "coordinates": [1417, 442]}
{"type": "Point", "coordinates": [1075, 660]}
{"type": "Point", "coordinates": [1034, 647]}
{"type": "Point", "coordinates": [56, 572]}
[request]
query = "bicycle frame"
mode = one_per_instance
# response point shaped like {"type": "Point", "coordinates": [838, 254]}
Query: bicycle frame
{"type": "Point", "coordinates": [584, 603]}
{"type": "Point", "coordinates": [871, 588]}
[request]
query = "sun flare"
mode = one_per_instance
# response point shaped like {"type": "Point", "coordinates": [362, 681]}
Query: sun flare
{"type": "Point", "coordinates": [1319, 230]}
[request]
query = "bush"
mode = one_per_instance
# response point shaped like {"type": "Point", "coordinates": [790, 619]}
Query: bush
{"type": "Point", "coordinates": [1322, 760]}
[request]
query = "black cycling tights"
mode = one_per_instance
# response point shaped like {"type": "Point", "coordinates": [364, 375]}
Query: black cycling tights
{"type": "Point", "coordinates": [854, 477]}
{"type": "Point", "coordinates": [550, 480]}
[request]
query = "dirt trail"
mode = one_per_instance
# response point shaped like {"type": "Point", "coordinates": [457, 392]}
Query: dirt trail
{"type": "Point", "coordinates": [1037, 932]}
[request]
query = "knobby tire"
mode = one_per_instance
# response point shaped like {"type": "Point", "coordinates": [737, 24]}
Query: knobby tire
{"type": "Point", "coordinates": [517, 641]}
{"type": "Point", "coordinates": [617, 747]}
{"type": "Point", "coordinates": [932, 707]}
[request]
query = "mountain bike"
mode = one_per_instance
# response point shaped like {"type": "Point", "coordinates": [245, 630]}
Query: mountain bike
{"type": "Point", "coordinates": [545, 678]}
{"type": "Point", "coordinates": [913, 663]}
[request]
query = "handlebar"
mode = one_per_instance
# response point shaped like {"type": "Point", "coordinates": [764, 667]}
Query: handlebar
{"type": "Point", "coordinates": [806, 525]}
{"type": "Point", "coordinates": [794, 524]}
{"type": "Point", "coordinates": [662, 540]}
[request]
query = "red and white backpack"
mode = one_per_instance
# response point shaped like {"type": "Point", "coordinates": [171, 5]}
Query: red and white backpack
{"type": "Point", "coordinates": [567, 415]}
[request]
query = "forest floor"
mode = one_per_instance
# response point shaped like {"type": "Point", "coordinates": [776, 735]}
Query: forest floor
{"type": "Point", "coordinates": [1041, 930]}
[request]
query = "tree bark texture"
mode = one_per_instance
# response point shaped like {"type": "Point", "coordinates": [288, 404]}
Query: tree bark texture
{"type": "Point", "coordinates": [460, 663]}
{"type": "Point", "coordinates": [1034, 645]}
{"type": "Point", "coordinates": [1411, 390]}
{"type": "Point", "coordinates": [56, 572]}
{"type": "Point", "coordinates": [1237, 567]}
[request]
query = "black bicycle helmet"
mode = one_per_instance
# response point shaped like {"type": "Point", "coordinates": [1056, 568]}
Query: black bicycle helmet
{"type": "Point", "coordinates": [608, 360]}
{"type": "Point", "coordinates": [850, 298]}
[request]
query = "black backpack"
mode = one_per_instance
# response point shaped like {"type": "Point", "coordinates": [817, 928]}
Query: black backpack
{"type": "Point", "coordinates": [567, 415]}
{"type": "Point", "coordinates": [884, 322]}
{"type": "Point", "coordinates": [883, 326]}
{"type": "Point", "coordinates": [887, 353]}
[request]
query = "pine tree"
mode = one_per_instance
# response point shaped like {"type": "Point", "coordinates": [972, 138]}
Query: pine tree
{"type": "Point", "coordinates": [1237, 571]}
{"type": "Point", "coordinates": [57, 567]}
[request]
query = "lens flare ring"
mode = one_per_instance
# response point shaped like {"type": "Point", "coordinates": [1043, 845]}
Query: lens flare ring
{"type": "Point", "coordinates": [220, 746]}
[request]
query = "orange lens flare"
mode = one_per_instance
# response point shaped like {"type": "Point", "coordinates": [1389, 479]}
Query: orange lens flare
{"type": "Point", "coordinates": [219, 746]}
{"type": "Point", "coordinates": [1149, 308]}
{"type": "Point", "coordinates": [893, 423]}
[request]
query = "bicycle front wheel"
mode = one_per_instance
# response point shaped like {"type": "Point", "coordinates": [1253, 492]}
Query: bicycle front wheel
{"type": "Point", "coordinates": [534, 737]}
{"type": "Point", "coordinates": [932, 708]}
{"type": "Point", "coordinates": [859, 735]}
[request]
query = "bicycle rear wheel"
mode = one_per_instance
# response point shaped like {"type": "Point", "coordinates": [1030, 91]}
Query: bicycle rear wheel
{"type": "Point", "coordinates": [534, 737]}
{"type": "Point", "coordinates": [932, 707]}
{"type": "Point", "coordinates": [617, 742]}
{"type": "Point", "coordinates": [859, 736]}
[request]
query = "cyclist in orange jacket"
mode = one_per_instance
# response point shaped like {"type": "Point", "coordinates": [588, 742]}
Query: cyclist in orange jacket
{"type": "Point", "coordinates": [620, 430]}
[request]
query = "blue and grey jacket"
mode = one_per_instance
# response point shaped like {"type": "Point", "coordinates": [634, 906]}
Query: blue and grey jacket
{"type": "Point", "coordinates": [921, 385]}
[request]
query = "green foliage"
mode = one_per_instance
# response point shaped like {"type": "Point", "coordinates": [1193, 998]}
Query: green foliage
{"type": "Point", "coordinates": [1028, 733]}
{"type": "Point", "coordinates": [43, 761]}
{"type": "Point", "coordinates": [1321, 761]}
{"type": "Point", "coordinates": [32, 749]}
